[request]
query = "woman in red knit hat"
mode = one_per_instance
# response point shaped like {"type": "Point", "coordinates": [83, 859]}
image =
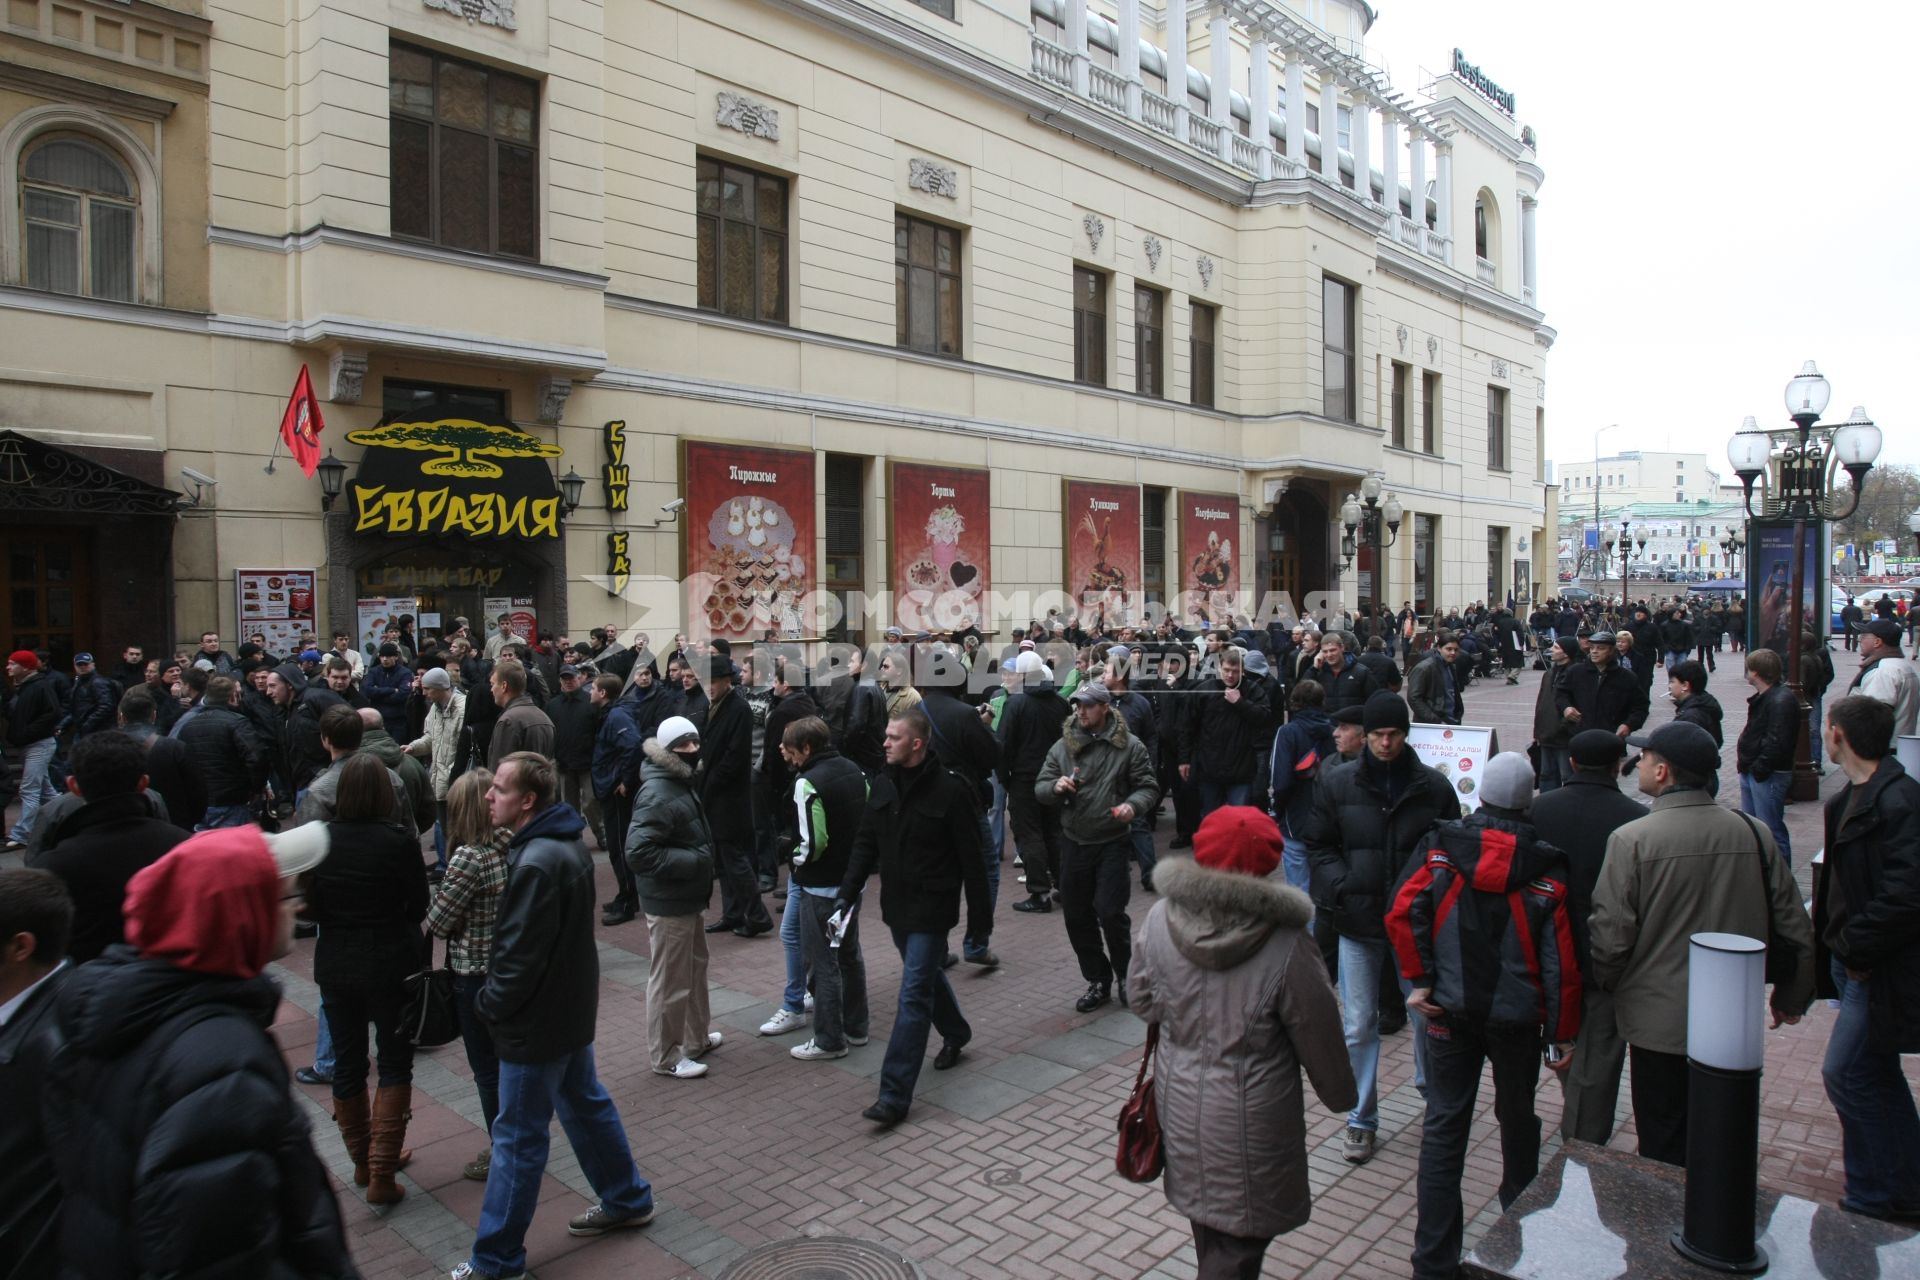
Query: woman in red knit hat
{"type": "Point", "coordinates": [1223, 965]}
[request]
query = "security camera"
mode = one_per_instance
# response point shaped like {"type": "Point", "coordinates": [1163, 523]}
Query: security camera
{"type": "Point", "coordinates": [198, 477]}
{"type": "Point", "coordinates": [671, 508]}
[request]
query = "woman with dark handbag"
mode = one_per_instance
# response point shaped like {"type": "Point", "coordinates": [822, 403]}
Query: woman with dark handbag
{"type": "Point", "coordinates": [369, 897]}
{"type": "Point", "coordinates": [463, 912]}
{"type": "Point", "coordinates": [1222, 966]}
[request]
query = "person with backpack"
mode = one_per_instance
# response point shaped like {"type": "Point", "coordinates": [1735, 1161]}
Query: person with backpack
{"type": "Point", "coordinates": [1303, 748]}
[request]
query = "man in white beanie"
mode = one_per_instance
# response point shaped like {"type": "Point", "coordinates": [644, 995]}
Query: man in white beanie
{"type": "Point", "coordinates": [1481, 931]}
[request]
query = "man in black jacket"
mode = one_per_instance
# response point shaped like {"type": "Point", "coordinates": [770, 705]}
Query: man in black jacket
{"type": "Point", "coordinates": [1368, 819]}
{"type": "Point", "coordinates": [301, 705]}
{"type": "Point", "coordinates": [1866, 896]}
{"type": "Point", "coordinates": [963, 744]}
{"type": "Point", "coordinates": [93, 700]}
{"type": "Point", "coordinates": [919, 833]}
{"type": "Point", "coordinates": [227, 753]}
{"type": "Point", "coordinates": [1687, 686]}
{"type": "Point", "coordinates": [1577, 818]}
{"type": "Point", "coordinates": [829, 798]}
{"type": "Point", "coordinates": [856, 711]}
{"type": "Point", "coordinates": [726, 782]}
{"type": "Point", "coordinates": [541, 1002]}
{"type": "Point", "coordinates": [575, 722]}
{"type": "Point", "coordinates": [1764, 754]}
{"type": "Point", "coordinates": [36, 919]}
{"type": "Point", "coordinates": [1598, 694]}
{"type": "Point", "coordinates": [1348, 682]}
{"type": "Point", "coordinates": [1030, 724]}
{"type": "Point", "coordinates": [1228, 723]}
{"type": "Point", "coordinates": [34, 713]}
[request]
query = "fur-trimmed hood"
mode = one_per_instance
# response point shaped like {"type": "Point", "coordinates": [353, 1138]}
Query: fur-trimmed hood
{"type": "Point", "coordinates": [1217, 919]}
{"type": "Point", "coordinates": [667, 761]}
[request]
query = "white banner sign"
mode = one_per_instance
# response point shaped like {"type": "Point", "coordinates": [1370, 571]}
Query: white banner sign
{"type": "Point", "coordinates": [1460, 752]}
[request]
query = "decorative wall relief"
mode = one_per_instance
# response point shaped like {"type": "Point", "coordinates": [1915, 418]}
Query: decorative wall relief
{"type": "Point", "coordinates": [755, 119]}
{"type": "Point", "coordinates": [1498, 366]}
{"type": "Point", "coordinates": [492, 13]}
{"type": "Point", "coordinates": [1401, 334]}
{"type": "Point", "coordinates": [1204, 265]}
{"type": "Point", "coordinates": [934, 179]}
{"type": "Point", "coordinates": [1153, 249]}
{"type": "Point", "coordinates": [1096, 226]}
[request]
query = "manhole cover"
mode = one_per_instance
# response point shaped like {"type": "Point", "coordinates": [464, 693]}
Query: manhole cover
{"type": "Point", "coordinates": [823, 1258]}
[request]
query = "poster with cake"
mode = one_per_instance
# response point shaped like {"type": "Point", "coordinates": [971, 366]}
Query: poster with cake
{"type": "Point", "coordinates": [1102, 540]}
{"type": "Point", "coordinates": [276, 603]}
{"type": "Point", "coordinates": [942, 545]}
{"type": "Point", "coordinates": [1209, 562]}
{"type": "Point", "coordinates": [749, 541]}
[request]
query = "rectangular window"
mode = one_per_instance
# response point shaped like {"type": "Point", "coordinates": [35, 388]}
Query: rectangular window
{"type": "Point", "coordinates": [465, 154]}
{"type": "Point", "coordinates": [845, 575]}
{"type": "Point", "coordinates": [1402, 406]}
{"type": "Point", "coordinates": [399, 395]}
{"type": "Point", "coordinates": [1200, 343]}
{"type": "Point", "coordinates": [1149, 341]}
{"type": "Point", "coordinates": [1496, 565]}
{"type": "Point", "coordinates": [1430, 412]}
{"type": "Point", "coordinates": [741, 217]}
{"type": "Point", "coordinates": [1089, 326]}
{"type": "Point", "coordinates": [1153, 543]}
{"type": "Point", "coordinates": [1154, 81]}
{"type": "Point", "coordinates": [1497, 428]}
{"type": "Point", "coordinates": [942, 7]}
{"type": "Point", "coordinates": [1425, 530]}
{"type": "Point", "coordinates": [1047, 29]}
{"type": "Point", "coordinates": [1340, 394]}
{"type": "Point", "coordinates": [926, 277]}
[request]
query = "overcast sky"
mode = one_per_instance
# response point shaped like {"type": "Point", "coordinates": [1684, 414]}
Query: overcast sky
{"type": "Point", "coordinates": [1730, 191]}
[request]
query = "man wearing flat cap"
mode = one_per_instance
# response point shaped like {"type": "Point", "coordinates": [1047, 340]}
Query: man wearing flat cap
{"type": "Point", "coordinates": [1599, 693]}
{"type": "Point", "coordinates": [1887, 676]}
{"type": "Point", "coordinates": [1690, 866]}
{"type": "Point", "coordinates": [1578, 818]}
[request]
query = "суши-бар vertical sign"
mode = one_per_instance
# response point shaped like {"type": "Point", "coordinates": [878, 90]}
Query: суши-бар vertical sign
{"type": "Point", "coordinates": [1482, 82]}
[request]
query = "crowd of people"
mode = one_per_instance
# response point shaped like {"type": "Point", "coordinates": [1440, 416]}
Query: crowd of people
{"type": "Point", "coordinates": [181, 822]}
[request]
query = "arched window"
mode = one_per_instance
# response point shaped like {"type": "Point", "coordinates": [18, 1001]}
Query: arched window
{"type": "Point", "coordinates": [1480, 229]}
{"type": "Point", "coordinates": [79, 215]}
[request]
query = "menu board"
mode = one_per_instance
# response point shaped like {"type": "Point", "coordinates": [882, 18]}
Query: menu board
{"type": "Point", "coordinates": [750, 539]}
{"type": "Point", "coordinates": [1459, 752]}
{"type": "Point", "coordinates": [942, 545]}
{"type": "Point", "coordinates": [1102, 538]}
{"type": "Point", "coordinates": [277, 602]}
{"type": "Point", "coordinates": [518, 608]}
{"type": "Point", "coordinates": [1209, 565]}
{"type": "Point", "coordinates": [374, 614]}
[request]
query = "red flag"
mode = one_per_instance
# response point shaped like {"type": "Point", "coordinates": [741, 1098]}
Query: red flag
{"type": "Point", "coordinates": [301, 424]}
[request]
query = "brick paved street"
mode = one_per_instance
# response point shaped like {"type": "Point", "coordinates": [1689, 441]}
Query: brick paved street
{"type": "Point", "coordinates": [1005, 1166]}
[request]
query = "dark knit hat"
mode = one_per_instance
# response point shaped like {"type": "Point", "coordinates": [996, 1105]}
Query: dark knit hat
{"type": "Point", "coordinates": [1386, 711]}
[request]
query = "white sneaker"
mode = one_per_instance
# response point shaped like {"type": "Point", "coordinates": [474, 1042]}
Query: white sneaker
{"type": "Point", "coordinates": [465, 1271]}
{"type": "Point", "coordinates": [812, 1052]}
{"type": "Point", "coordinates": [807, 1004]}
{"type": "Point", "coordinates": [783, 1021]}
{"type": "Point", "coordinates": [714, 1041]}
{"type": "Point", "coordinates": [686, 1069]}
{"type": "Point", "coordinates": [856, 1041]}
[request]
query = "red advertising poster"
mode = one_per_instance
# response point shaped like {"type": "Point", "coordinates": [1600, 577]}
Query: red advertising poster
{"type": "Point", "coordinates": [942, 542]}
{"type": "Point", "coordinates": [1102, 540]}
{"type": "Point", "coordinates": [1209, 560]}
{"type": "Point", "coordinates": [749, 539]}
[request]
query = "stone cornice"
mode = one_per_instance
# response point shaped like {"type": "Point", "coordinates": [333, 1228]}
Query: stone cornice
{"type": "Point", "coordinates": [64, 88]}
{"type": "Point", "coordinates": [301, 241]}
{"type": "Point", "coordinates": [1451, 111]}
{"type": "Point", "coordinates": [1430, 275]}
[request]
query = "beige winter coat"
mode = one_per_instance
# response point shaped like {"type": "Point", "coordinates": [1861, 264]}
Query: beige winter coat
{"type": "Point", "coordinates": [1223, 964]}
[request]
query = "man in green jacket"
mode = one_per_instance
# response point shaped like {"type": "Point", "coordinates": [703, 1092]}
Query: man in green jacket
{"type": "Point", "coordinates": [1100, 776]}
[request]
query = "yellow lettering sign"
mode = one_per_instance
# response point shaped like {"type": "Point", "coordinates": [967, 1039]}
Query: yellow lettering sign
{"type": "Point", "coordinates": [378, 509]}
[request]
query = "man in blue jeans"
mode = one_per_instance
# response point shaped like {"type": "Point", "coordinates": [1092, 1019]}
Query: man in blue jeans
{"type": "Point", "coordinates": [540, 1002]}
{"type": "Point", "coordinates": [1866, 895]}
{"type": "Point", "coordinates": [32, 717]}
{"type": "Point", "coordinates": [1765, 750]}
{"type": "Point", "coordinates": [922, 832]}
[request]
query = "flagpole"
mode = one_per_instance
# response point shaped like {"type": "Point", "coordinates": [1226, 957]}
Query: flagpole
{"type": "Point", "coordinates": [272, 452]}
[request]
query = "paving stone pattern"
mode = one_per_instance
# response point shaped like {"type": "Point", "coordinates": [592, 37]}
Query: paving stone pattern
{"type": "Point", "coordinates": [1004, 1168]}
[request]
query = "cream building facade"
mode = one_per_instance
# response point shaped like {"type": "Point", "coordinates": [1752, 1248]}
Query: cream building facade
{"type": "Point", "coordinates": [1641, 476]}
{"type": "Point", "coordinates": [869, 235]}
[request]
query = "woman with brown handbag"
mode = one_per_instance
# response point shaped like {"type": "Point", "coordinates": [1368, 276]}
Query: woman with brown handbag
{"type": "Point", "coordinates": [1241, 999]}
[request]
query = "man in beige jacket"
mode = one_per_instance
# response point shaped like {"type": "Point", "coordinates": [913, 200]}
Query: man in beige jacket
{"type": "Point", "coordinates": [1690, 866]}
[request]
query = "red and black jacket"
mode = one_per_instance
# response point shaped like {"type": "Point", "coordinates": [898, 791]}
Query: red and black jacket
{"type": "Point", "coordinates": [1483, 922]}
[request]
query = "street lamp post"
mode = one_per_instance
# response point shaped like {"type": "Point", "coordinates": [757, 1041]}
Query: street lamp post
{"type": "Point", "coordinates": [1599, 563]}
{"type": "Point", "coordinates": [1371, 521]}
{"type": "Point", "coordinates": [1733, 544]}
{"type": "Point", "coordinates": [1628, 545]}
{"type": "Point", "coordinates": [1800, 463]}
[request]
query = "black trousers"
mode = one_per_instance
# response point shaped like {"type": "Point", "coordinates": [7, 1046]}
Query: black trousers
{"type": "Point", "coordinates": [1093, 897]}
{"type": "Point", "coordinates": [1456, 1051]}
{"type": "Point", "coordinates": [1036, 835]}
{"type": "Point", "coordinates": [616, 812]}
{"type": "Point", "coordinates": [1225, 1257]}
{"type": "Point", "coordinates": [740, 902]}
{"type": "Point", "coordinates": [1660, 1104]}
{"type": "Point", "coordinates": [349, 1008]}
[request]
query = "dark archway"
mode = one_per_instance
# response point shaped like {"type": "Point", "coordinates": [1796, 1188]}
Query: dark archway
{"type": "Point", "coordinates": [455, 573]}
{"type": "Point", "coordinates": [1294, 545]}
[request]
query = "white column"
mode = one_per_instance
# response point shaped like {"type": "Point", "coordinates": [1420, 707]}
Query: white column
{"type": "Point", "coordinates": [1528, 208]}
{"type": "Point", "coordinates": [1362, 150]}
{"type": "Point", "coordinates": [1296, 110]}
{"type": "Point", "coordinates": [1077, 44]}
{"type": "Point", "coordinates": [1417, 144]}
{"type": "Point", "coordinates": [1177, 65]}
{"type": "Point", "coordinates": [1390, 163]}
{"type": "Point", "coordinates": [1219, 94]}
{"type": "Point", "coordinates": [1260, 100]}
{"type": "Point", "coordinates": [1444, 158]}
{"type": "Point", "coordinates": [1329, 127]}
{"type": "Point", "coordinates": [1127, 57]}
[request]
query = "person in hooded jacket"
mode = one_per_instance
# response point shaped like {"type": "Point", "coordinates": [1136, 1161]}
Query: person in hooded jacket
{"type": "Point", "coordinates": [1030, 723]}
{"type": "Point", "coordinates": [1482, 933]}
{"type": "Point", "coordinates": [168, 1108]}
{"type": "Point", "coordinates": [1303, 749]}
{"type": "Point", "coordinates": [300, 706]}
{"type": "Point", "coordinates": [369, 898]}
{"type": "Point", "coordinates": [1239, 1005]}
{"type": "Point", "coordinates": [671, 855]}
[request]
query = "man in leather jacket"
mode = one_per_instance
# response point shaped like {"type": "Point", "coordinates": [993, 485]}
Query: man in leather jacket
{"type": "Point", "coordinates": [1764, 753]}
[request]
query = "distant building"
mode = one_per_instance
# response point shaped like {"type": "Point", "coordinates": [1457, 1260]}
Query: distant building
{"type": "Point", "coordinates": [1639, 476]}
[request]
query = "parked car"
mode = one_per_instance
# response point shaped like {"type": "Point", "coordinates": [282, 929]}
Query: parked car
{"type": "Point", "coordinates": [1866, 598]}
{"type": "Point", "coordinates": [1575, 595]}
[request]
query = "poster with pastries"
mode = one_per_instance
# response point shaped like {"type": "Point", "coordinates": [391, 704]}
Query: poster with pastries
{"type": "Point", "coordinates": [1209, 562]}
{"type": "Point", "coordinates": [278, 603]}
{"type": "Point", "coordinates": [941, 538]}
{"type": "Point", "coordinates": [749, 539]}
{"type": "Point", "coordinates": [1102, 540]}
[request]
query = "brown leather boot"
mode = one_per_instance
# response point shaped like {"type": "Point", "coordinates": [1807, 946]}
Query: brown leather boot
{"type": "Point", "coordinates": [390, 1115]}
{"type": "Point", "coordinates": [351, 1115]}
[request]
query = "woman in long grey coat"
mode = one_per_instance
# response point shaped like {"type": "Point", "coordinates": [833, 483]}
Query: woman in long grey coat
{"type": "Point", "coordinates": [1244, 1005]}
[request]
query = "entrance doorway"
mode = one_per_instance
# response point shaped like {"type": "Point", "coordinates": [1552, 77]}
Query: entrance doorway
{"type": "Point", "coordinates": [46, 599]}
{"type": "Point", "coordinates": [1293, 548]}
{"type": "Point", "coordinates": [439, 583]}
